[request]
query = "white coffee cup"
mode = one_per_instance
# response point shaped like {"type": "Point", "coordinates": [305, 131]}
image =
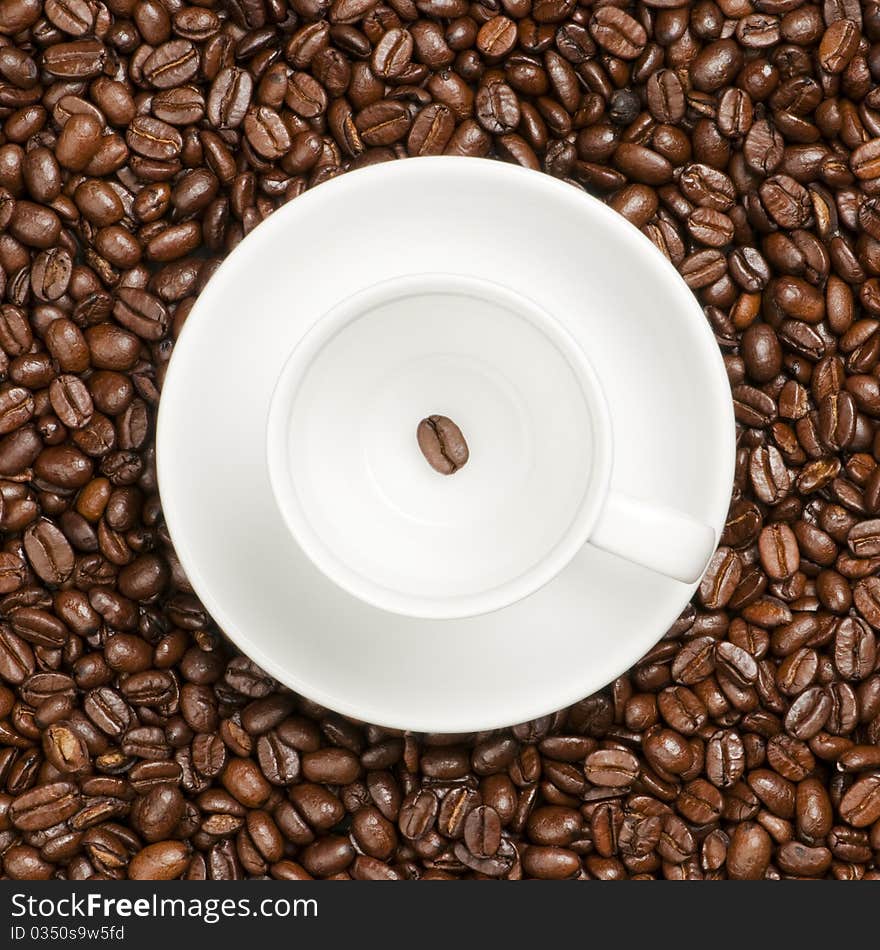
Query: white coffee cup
{"type": "Point", "coordinates": [364, 505]}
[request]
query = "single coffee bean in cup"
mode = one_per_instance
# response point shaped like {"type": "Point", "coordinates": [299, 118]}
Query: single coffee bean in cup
{"type": "Point", "coordinates": [442, 444]}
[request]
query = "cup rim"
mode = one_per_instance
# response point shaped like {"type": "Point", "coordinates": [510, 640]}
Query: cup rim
{"type": "Point", "coordinates": [352, 308]}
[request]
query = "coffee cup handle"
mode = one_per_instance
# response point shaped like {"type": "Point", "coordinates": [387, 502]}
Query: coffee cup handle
{"type": "Point", "coordinates": [660, 538]}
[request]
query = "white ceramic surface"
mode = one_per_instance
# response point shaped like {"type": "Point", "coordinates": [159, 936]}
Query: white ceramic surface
{"type": "Point", "coordinates": [656, 361]}
{"type": "Point", "coordinates": [362, 503]}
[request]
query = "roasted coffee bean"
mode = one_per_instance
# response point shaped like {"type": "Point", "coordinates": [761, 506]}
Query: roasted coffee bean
{"type": "Point", "coordinates": [267, 133]}
{"type": "Point", "coordinates": [611, 767]}
{"type": "Point", "coordinates": [700, 802]}
{"type": "Point", "coordinates": [721, 578]}
{"type": "Point", "coordinates": [749, 852]}
{"type": "Point", "coordinates": [855, 649]}
{"type": "Point", "coordinates": [617, 32]}
{"type": "Point", "coordinates": [779, 552]}
{"type": "Point", "coordinates": [392, 54]}
{"type": "Point", "coordinates": [797, 858]}
{"type": "Point", "coordinates": [838, 45]}
{"type": "Point", "coordinates": [44, 806]}
{"type": "Point", "coordinates": [742, 525]}
{"type": "Point", "coordinates": [761, 352]}
{"type": "Point", "coordinates": [373, 833]}
{"type": "Point", "coordinates": [482, 832]}
{"type": "Point", "coordinates": [162, 861]}
{"type": "Point", "coordinates": [418, 813]}
{"type": "Point", "coordinates": [171, 64]}
{"type": "Point", "coordinates": [17, 661]}
{"type": "Point", "coordinates": [695, 661]}
{"type": "Point", "coordinates": [725, 759]}
{"type": "Point", "coordinates": [229, 97]}
{"type": "Point", "coordinates": [335, 766]}
{"type": "Point", "coordinates": [50, 274]}
{"type": "Point", "coordinates": [454, 810]}
{"type": "Point", "coordinates": [279, 761]}
{"type": "Point", "coordinates": [79, 141]}
{"type": "Point", "coordinates": [141, 313]}
{"type": "Point", "coordinates": [682, 709]}
{"type": "Point", "coordinates": [770, 477]}
{"type": "Point", "coordinates": [497, 107]}
{"type": "Point", "coordinates": [860, 806]}
{"type": "Point", "coordinates": [547, 862]}
{"type": "Point", "coordinates": [668, 752]}
{"type": "Point", "coordinates": [71, 401]}
{"type": "Point", "coordinates": [48, 552]}
{"type": "Point", "coordinates": [815, 814]}
{"type": "Point", "coordinates": [808, 713]}
{"type": "Point", "coordinates": [442, 444]}
{"type": "Point", "coordinates": [383, 123]}
{"type": "Point", "coordinates": [554, 825]}
{"type": "Point", "coordinates": [431, 130]}
{"type": "Point", "coordinates": [243, 780]}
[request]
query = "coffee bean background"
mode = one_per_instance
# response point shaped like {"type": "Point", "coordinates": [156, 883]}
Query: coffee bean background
{"type": "Point", "coordinates": [141, 141]}
{"type": "Point", "coordinates": [442, 444]}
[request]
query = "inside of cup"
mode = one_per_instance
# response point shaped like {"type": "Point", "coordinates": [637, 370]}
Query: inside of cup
{"type": "Point", "coordinates": [359, 492]}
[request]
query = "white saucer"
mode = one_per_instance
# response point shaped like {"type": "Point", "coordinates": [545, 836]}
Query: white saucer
{"type": "Point", "coordinates": [645, 335]}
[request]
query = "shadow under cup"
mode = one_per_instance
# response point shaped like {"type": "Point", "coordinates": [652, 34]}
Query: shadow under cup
{"type": "Point", "coordinates": [361, 499]}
